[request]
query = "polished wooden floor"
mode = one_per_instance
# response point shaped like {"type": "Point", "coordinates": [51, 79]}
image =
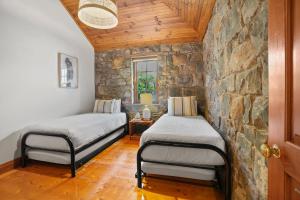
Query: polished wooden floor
{"type": "Point", "coordinates": [109, 176]}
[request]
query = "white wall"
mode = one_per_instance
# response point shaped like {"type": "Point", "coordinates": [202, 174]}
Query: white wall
{"type": "Point", "coordinates": [32, 32]}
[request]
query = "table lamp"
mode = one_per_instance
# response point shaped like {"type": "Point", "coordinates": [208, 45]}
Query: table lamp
{"type": "Point", "coordinates": [146, 99]}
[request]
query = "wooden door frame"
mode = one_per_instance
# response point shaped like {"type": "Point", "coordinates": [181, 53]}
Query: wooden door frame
{"type": "Point", "coordinates": [277, 31]}
{"type": "Point", "coordinates": [280, 96]}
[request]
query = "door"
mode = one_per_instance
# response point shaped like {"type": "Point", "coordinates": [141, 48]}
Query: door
{"type": "Point", "coordinates": [284, 94]}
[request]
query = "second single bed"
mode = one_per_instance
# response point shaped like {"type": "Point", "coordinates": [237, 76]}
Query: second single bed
{"type": "Point", "coordinates": [72, 140]}
{"type": "Point", "coordinates": [181, 146]}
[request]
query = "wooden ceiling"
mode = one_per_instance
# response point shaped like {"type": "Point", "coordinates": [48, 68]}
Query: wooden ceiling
{"type": "Point", "coordinates": [143, 22]}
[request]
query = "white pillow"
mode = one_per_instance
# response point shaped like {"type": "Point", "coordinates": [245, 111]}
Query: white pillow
{"type": "Point", "coordinates": [116, 108]}
{"type": "Point", "coordinates": [178, 108]}
{"type": "Point", "coordinates": [175, 106]}
{"type": "Point", "coordinates": [100, 106]}
{"type": "Point", "coordinates": [171, 106]}
{"type": "Point", "coordinates": [96, 106]}
{"type": "Point", "coordinates": [107, 106]}
{"type": "Point", "coordinates": [182, 106]}
{"type": "Point", "coordinates": [119, 104]}
{"type": "Point", "coordinates": [103, 106]}
{"type": "Point", "coordinates": [113, 106]}
{"type": "Point", "coordinates": [194, 106]}
{"type": "Point", "coordinates": [186, 106]}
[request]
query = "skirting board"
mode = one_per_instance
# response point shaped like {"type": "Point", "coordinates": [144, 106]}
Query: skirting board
{"type": "Point", "coordinates": [5, 167]}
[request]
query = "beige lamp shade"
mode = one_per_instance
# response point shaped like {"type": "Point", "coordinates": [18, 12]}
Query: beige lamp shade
{"type": "Point", "coordinates": [100, 14]}
{"type": "Point", "coordinates": [146, 98]}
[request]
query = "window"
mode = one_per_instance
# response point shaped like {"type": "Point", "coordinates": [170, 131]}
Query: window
{"type": "Point", "coordinates": [145, 78]}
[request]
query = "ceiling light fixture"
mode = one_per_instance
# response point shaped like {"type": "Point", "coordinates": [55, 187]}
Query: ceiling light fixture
{"type": "Point", "coordinates": [100, 14]}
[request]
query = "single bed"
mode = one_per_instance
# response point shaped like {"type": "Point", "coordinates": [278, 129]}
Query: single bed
{"type": "Point", "coordinates": [72, 140]}
{"type": "Point", "coordinates": [181, 146]}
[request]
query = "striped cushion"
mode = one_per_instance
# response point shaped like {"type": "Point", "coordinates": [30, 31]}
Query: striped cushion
{"type": "Point", "coordinates": [100, 106]}
{"type": "Point", "coordinates": [171, 106]}
{"type": "Point", "coordinates": [194, 110]}
{"type": "Point", "coordinates": [182, 106]}
{"type": "Point", "coordinates": [178, 111]}
{"type": "Point", "coordinates": [96, 106]}
{"type": "Point", "coordinates": [187, 106]}
{"type": "Point", "coordinates": [116, 105]}
{"type": "Point", "coordinates": [107, 107]}
{"type": "Point", "coordinates": [103, 106]}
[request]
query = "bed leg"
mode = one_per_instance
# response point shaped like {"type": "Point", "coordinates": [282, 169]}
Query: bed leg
{"type": "Point", "coordinates": [73, 163]}
{"type": "Point", "coordinates": [218, 176]}
{"type": "Point", "coordinates": [139, 172]}
{"type": "Point", "coordinates": [23, 151]}
{"type": "Point", "coordinates": [228, 181]}
{"type": "Point", "coordinates": [139, 180]}
{"type": "Point", "coordinates": [73, 171]}
{"type": "Point", "coordinates": [23, 156]}
{"type": "Point", "coordinates": [23, 161]}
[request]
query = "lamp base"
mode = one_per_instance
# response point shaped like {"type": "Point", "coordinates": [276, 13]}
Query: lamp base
{"type": "Point", "coordinates": [146, 113]}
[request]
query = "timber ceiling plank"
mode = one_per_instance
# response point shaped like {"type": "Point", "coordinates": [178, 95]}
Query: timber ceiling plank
{"type": "Point", "coordinates": [143, 22]}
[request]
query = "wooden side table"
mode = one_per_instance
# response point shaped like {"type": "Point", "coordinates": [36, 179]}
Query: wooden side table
{"type": "Point", "coordinates": [134, 122]}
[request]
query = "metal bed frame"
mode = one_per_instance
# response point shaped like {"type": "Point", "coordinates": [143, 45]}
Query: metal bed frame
{"type": "Point", "coordinates": [73, 152]}
{"type": "Point", "coordinates": [226, 167]}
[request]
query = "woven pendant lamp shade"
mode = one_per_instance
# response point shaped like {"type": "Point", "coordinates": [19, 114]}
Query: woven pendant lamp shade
{"type": "Point", "coordinates": [100, 14]}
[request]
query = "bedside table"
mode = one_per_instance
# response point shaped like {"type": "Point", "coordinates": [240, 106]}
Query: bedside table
{"type": "Point", "coordinates": [134, 122]}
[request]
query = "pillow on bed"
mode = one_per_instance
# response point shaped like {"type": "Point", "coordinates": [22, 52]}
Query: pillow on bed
{"type": "Point", "coordinates": [182, 106]}
{"type": "Point", "coordinates": [95, 106]}
{"type": "Point", "coordinates": [175, 106]}
{"type": "Point", "coordinates": [186, 106]}
{"type": "Point", "coordinates": [171, 106]}
{"type": "Point", "coordinates": [103, 106]}
{"type": "Point", "coordinates": [194, 106]}
{"type": "Point", "coordinates": [116, 108]}
{"type": "Point", "coordinates": [178, 106]}
{"type": "Point", "coordinates": [107, 108]}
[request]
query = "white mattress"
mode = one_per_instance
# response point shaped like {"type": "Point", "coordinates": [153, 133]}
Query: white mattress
{"type": "Point", "coordinates": [64, 158]}
{"type": "Point", "coordinates": [81, 129]}
{"type": "Point", "coordinates": [177, 171]}
{"type": "Point", "coordinates": [183, 129]}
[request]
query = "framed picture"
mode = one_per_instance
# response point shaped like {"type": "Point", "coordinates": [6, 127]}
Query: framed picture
{"type": "Point", "coordinates": [67, 71]}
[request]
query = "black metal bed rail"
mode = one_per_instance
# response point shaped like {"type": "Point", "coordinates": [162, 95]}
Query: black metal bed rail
{"type": "Point", "coordinates": [73, 152]}
{"type": "Point", "coordinates": [65, 137]}
{"type": "Point", "coordinates": [226, 159]}
{"type": "Point", "coordinates": [84, 147]}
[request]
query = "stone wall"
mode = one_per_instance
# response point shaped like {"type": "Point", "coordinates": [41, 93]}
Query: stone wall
{"type": "Point", "coordinates": [236, 81]}
{"type": "Point", "coordinates": [180, 72]}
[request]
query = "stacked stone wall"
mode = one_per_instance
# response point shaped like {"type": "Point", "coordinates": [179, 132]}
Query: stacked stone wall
{"type": "Point", "coordinates": [180, 73]}
{"type": "Point", "coordinates": [235, 55]}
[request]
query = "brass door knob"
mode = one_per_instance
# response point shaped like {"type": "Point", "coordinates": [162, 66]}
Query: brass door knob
{"type": "Point", "coordinates": [268, 151]}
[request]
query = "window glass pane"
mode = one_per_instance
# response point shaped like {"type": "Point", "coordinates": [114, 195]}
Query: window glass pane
{"type": "Point", "coordinates": [152, 74]}
{"type": "Point", "coordinates": [141, 66]}
{"type": "Point", "coordinates": [139, 73]}
{"type": "Point", "coordinates": [154, 97]}
{"type": "Point", "coordinates": [146, 79]}
{"type": "Point", "coordinates": [152, 66]}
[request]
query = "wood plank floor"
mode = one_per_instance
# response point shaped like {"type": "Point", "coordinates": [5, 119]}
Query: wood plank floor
{"type": "Point", "coordinates": [109, 176]}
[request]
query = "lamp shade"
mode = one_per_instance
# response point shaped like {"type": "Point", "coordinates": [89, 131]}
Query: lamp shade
{"type": "Point", "coordinates": [100, 14]}
{"type": "Point", "coordinates": [146, 98]}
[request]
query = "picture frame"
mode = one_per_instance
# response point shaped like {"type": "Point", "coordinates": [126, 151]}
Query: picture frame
{"type": "Point", "coordinates": [67, 71]}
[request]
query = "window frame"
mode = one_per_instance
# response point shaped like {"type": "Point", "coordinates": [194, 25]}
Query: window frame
{"type": "Point", "coordinates": [134, 62]}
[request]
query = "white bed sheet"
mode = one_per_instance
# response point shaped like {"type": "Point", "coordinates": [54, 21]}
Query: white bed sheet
{"type": "Point", "coordinates": [177, 171]}
{"type": "Point", "coordinates": [183, 129]}
{"type": "Point", "coordinates": [64, 158]}
{"type": "Point", "coordinates": [81, 129]}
